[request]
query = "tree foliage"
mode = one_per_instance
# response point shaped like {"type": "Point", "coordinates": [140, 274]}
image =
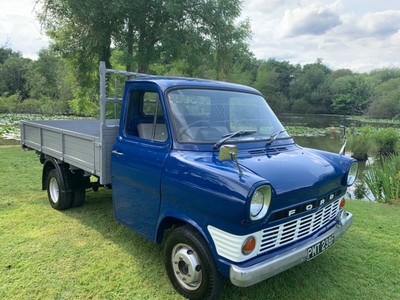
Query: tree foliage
{"type": "Point", "coordinates": [194, 38]}
{"type": "Point", "coordinates": [385, 99]}
{"type": "Point", "coordinates": [39, 86]}
{"type": "Point", "coordinates": [148, 32]}
{"type": "Point", "coordinates": [351, 95]}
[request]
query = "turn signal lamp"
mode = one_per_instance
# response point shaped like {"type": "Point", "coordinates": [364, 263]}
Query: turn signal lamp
{"type": "Point", "coordinates": [342, 203]}
{"type": "Point", "coordinates": [249, 245]}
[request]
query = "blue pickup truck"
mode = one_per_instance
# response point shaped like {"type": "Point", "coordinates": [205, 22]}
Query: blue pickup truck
{"type": "Point", "coordinates": [207, 168]}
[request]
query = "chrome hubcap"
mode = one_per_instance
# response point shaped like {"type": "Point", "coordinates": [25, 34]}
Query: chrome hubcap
{"type": "Point", "coordinates": [187, 267]}
{"type": "Point", "coordinates": [54, 190]}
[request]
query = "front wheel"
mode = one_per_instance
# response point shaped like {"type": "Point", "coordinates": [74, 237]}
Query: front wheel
{"type": "Point", "coordinates": [190, 265]}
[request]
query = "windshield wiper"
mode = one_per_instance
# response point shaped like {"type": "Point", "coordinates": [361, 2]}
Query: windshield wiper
{"type": "Point", "coordinates": [273, 137]}
{"type": "Point", "coordinates": [232, 135]}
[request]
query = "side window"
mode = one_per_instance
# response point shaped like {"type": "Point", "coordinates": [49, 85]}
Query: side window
{"type": "Point", "coordinates": [145, 117]}
{"type": "Point", "coordinates": [151, 104]}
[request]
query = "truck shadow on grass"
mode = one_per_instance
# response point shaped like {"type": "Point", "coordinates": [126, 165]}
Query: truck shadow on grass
{"type": "Point", "coordinates": [306, 281]}
{"type": "Point", "coordinates": [97, 214]}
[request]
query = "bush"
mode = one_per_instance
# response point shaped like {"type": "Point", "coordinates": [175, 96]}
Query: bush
{"type": "Point", "coordinates": [45, 105]}
{"type": "Point", "coordinates": [380, 142]}
{"type": "Point", "coordinates": [8, 104]}
{"type": "Point", "coordinates": [383, 179]}
{"type": "Point", "coordinates": [53, 106]}
{"type": "Point", "coordinates": [84, 107]}
{"type": "Point", "coordinates": [362, 144]}
{"type": "Point", "coordinates": [86, 102]}
{"type": "Point", "coordinates": [29, 106]}
{"type": "Point", "coordinates": [386, 141]}
{"type": "Point", "coordinates": [302, 106]}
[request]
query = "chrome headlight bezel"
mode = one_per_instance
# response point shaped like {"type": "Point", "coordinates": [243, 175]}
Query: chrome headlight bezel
{"type": "Point", "coordinates": [260, 202]}
{"type": "Point", "coordinates": [352, 174]}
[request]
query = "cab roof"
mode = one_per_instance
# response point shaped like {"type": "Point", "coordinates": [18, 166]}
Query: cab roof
{"type": "Point", "coordinates": [166, 82]}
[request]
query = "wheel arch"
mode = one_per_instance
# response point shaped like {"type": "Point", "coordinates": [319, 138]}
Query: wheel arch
{"type": "Point", "coordinates": [50, 163]}
{"type": "Point", "coordinates": [174, 221]}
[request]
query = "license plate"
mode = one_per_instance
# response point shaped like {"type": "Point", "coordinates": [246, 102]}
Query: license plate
{"type": "Point", "coordinates": [320, 247]}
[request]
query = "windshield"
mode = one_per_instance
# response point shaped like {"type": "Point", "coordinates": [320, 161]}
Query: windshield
{"type": "Point", "coordinates": [206, 116]}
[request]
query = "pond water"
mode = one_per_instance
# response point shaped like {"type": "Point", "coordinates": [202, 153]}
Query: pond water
{"type": "Point", "coordinates": [314, 121]}
{"type": "Point", "coordinates": [320, 142]}
{"type": "Point", "coordinates": [324, 121]}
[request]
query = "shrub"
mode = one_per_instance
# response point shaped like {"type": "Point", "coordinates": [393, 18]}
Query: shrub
{"type": "Point", "coordinates": [386, 141]}
{"type": "Point", "coordinates": [383, 179]}
{"type": "Point", "coordinates": [302, 106]}
{"type": "Point", "coordinates": [8, 104]}
{"type": "Point", "coordinates": [53, 106]}
{"type": "Point", "coordinates": [360, 190]}
{"type": "Point", "coordinates": [362, 144]}
{"type": "Point", "coordinates": [84, 107]}
{"type": "Point", "coordinates": [29, 106]}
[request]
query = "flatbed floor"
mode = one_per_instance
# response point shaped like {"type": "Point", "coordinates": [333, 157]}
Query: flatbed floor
{"type": "Point", "coordinates": [85, 127]}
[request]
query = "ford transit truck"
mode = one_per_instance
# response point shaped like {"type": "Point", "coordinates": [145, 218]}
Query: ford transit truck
{"type": "Point", "coordinates": [204, 167]}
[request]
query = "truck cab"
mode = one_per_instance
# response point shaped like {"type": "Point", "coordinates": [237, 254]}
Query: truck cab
{"type": "Point", "coordinates": [212, 161]}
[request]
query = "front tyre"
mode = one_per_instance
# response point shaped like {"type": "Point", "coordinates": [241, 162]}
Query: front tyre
{"type": "Point", "coordinates": [190, 265]}
{"type": "Point", "coordinates": [59, 198]}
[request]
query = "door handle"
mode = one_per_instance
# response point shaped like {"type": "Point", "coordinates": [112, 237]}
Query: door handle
{"type": "Point", "coordinates": [117, 153]}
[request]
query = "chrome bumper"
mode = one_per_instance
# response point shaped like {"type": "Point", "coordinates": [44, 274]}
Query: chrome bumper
{"type": "Point", "coordinates": [244, 277]}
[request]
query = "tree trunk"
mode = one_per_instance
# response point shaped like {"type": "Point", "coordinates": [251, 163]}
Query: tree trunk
{"type": "Point", "coordinates": [129, 41]}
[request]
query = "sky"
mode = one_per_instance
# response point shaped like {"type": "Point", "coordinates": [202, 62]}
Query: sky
{"type": "Point", "coordinates": [360, 35]}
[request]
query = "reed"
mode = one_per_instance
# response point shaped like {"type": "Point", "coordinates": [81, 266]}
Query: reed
{"type": "Point", "coordinates": [383, 179]}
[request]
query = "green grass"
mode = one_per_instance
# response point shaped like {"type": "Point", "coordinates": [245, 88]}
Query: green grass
{"type": "Point", "coordinates": [84, 254]}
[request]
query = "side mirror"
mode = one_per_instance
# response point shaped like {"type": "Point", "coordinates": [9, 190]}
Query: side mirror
{"type": "Point", "coordinates": [229, 152]}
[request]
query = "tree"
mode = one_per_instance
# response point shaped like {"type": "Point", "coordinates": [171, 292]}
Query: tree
{"type": "Point", "coordinates": [82, 32]}
{"type": "Point", "coordinates": [308, 91]}
{"type": "Point", "coordinates": [274, 79]}
{"type": "Point", "coordinates": [14, 76]}
{"type": "Point", "coordinates": [147, 31]}
{"type": "Point", "coordinates": [386, 100]}
{"type": "Point", "coordinates": [351, 95]}
{"type": "Point", "coordinates": [6, 53]}
{"type": "Point", "coordinates": [42, 77]}
{"type": "Point", "coordinates": [49, 81]}
{"type": "Point", "coordinates": [382, 75]}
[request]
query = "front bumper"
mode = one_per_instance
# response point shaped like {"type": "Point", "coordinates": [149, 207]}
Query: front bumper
{"type": "Point", "coordinates": [244, 277]}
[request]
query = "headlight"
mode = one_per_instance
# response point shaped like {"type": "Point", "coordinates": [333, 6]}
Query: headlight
{"type": "Point", "coordinates": [260, 202]}
{"type": "Point", "coordinates": [351, 178]}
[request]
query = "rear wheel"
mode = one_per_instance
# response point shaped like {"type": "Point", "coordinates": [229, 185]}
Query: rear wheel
{"type": "Point", "coordinates": [59, 197]}
{"type": "Point", "coordinates": [79, 183]}
{"type": "Point", "coordinates": [79, 197]}
{"type": "Point", "coordinates": [190, 265]}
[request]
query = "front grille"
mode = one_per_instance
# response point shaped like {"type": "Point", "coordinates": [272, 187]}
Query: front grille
{"type": "Point", "coordinates": [294, 230]}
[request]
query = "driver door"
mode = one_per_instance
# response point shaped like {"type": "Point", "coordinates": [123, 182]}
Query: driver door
{"type": "Point", "coordinates": [137, 161]}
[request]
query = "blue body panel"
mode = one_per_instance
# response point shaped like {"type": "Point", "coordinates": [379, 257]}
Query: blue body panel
{"type": "Point", "coordinates": [154, 181]}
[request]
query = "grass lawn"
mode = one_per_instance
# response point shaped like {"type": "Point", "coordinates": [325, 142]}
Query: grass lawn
{"type": "Point", "coordinates": [83, 253]}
